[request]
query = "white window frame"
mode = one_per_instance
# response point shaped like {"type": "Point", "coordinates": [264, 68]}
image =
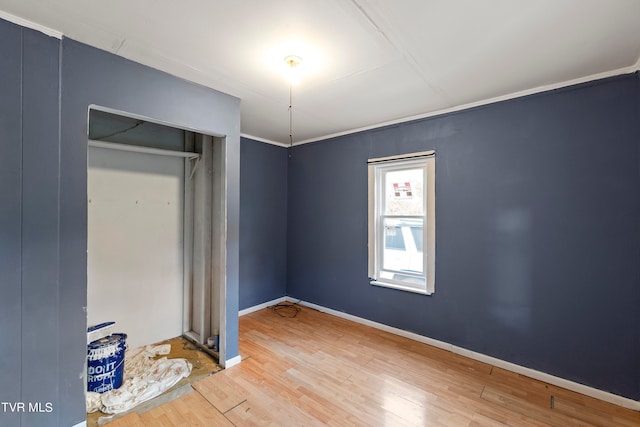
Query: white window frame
{"type": "Point", "coordinates": [376, 169]}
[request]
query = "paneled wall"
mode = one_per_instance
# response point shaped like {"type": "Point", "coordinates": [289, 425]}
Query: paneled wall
{"type": "Point", "coordinates": [29, 218]}
{"type": "Point", "coordinates": [48, 87]}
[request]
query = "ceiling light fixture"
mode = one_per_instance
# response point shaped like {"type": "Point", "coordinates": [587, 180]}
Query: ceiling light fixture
{"type": "Point", "coordinates": [293, 62]}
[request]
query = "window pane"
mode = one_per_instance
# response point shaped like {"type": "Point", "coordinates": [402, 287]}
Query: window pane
{"type": "Point", "coordinates": [401, 252]}
{"type": "Point", "coordinates": [393, 239]}
{"type": "Point", "coordinates": [404, 192]}
{"type": "Point", "coordinates": [418, 233]}
{"type": "Point", "coordinates": [405, 280]}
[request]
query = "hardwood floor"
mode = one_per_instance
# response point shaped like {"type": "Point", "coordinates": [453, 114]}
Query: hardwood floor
{"type": "Point", "coordinates": [317, 369]}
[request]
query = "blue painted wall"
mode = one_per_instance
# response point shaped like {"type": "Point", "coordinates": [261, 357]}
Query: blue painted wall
{"type": "Point", "coordinates": [263, 222]}
{"type": "Point", "coordinates": [29, 251]}
{"type": "Point", "coordinates": [48, 86]}
{"type": "Point", "coordinates": [10, 216]}
{"type": "Point", "coordinates": [537, 231]}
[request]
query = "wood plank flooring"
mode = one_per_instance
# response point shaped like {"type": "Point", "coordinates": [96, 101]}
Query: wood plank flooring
{"type": "Point", "coordinates": [320, 370]}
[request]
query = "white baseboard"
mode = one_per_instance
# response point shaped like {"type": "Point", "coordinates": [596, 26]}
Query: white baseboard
{"type": "Point", "coordinates": [232, 362]}
{"type": "Point", "coordinates": [531, 373]}
{"type": "Point", "coordinates": [261, 306]}
{"type": "Point", "coordinates": [81, 424]}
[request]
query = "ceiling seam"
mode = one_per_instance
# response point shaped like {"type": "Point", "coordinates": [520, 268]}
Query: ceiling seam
{"type": "Point", "coordinates": [412, 62]}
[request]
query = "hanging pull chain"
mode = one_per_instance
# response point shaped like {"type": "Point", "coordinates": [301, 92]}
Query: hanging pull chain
{"type": "Point", "coordinates": [290, 116]}
{"type": "Point", "coordinates": [292, 61]}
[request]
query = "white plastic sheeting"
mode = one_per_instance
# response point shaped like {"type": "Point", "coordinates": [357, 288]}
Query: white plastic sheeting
{"type": "Point", "coordinates": [144, 379]}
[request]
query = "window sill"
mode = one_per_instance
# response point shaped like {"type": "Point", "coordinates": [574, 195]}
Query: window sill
{"type": "Point", "coordinates": [400, 287]}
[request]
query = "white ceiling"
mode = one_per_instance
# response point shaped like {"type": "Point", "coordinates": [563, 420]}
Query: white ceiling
{"type": "Point", "coordinates": [365, 62]}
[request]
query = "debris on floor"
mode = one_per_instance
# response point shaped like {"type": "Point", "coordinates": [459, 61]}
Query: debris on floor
{"type": "Point", "coordinates": [144, 379]}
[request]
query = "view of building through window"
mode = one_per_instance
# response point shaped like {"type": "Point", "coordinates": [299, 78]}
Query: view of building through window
{"type": "Point", "coordinates": [399, 219]}
{"type": "Point", "coordinates": [403, 221]}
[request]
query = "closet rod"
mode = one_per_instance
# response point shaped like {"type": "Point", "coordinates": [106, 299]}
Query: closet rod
{"type": "Point", "coordinates": [138, 149]}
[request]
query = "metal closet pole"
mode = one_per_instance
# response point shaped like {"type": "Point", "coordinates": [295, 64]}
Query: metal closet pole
{"type": "Point", "coordinates": [138, 149]}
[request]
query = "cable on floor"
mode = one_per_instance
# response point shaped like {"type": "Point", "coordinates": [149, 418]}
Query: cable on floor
{"type": "Point", "coordinates": [286, 309]}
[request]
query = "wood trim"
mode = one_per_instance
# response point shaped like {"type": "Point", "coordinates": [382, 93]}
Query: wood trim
{"type": "Point", "coordinates": [32, 25]}
{"type": "Point", "coordinates": [480, 103]}
{"type": "Point", "coordinates": [398, 157]}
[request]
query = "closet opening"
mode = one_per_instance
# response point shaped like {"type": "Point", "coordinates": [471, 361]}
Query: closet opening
{"type": "Point", "coordinates": [156, 229]}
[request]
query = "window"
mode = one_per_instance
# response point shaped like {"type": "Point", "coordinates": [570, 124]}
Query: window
{"type": "Point", "coordinates": [402, 222]}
